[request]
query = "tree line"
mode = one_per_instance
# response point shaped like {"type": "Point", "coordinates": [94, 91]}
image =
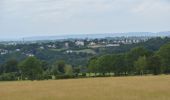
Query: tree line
{"type": "Point", "coordinates": [34, 69]}
{"type": "Point", "coordinates": [138, 61]}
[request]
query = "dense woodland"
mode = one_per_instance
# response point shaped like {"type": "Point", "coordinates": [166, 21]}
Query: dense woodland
{"type": "Point", "coordinates": [150, 57]}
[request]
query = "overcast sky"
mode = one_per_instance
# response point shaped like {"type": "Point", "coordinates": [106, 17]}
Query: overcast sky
{"type": "Point", "coordinates": [19, 18]}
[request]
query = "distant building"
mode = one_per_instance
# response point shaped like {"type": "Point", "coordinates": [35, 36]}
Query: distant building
{"type": "Point", "coordinates": [41, 47]}
{"type": "Point", "coordinates": [66, 45]}
{"type": "Point", "coordinates": [79, 43]}
{"type": "Point", "coordinates": [103, 42]}
{"type": "Point", "coordinates": [49, 46]}
{"type": "Point", "coordinates": [30, 55]}
{"type": "Point", "coordinates": [12, 43]}
{"type": "Point", "coordinates": [112, 45]}
{"type": "Point", "coordinates": [3, 52]}
{"type": "Point", "coordinates": [69, 51]}
{"type": "Point", "coordinates": [92, 44]}
{"type": "Point", "coordinates": [18, 50]}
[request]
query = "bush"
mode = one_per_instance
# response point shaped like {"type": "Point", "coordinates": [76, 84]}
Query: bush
{"type": "Point", "coordinates": [64, 76]}
{"type": "Point", "coordinates": [81, 75]}
{"type": "Point", "coordinates": [8, 77]}
{"type": "Point", "coordinates": [46, 77]}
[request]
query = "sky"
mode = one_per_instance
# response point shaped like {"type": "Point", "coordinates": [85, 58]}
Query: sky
{"type": "Point", "coordinates": [22, 18]}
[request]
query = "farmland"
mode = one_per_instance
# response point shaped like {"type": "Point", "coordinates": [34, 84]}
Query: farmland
{"type": "Point", "coordinates": [111, 88]}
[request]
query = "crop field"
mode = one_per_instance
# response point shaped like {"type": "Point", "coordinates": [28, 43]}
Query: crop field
{"type": "Point", "coordinates": [112, 88]}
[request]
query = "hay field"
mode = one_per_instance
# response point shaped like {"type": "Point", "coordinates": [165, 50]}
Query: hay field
{"type": "Point", "coordinates": [115, 88]}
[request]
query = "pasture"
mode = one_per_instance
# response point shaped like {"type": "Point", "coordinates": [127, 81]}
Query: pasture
{"type": "Point", "coordinates": [111, 88]}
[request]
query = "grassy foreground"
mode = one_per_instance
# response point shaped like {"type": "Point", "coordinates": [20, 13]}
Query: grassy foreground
{"type": "Point", "coordinates": [116, 88]}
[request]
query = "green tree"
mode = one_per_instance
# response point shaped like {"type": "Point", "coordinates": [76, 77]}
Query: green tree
{"type": "Point", "coordinates": [68, 70]}
{"type": "Point", "coordinates": [11, 66]}
{"type": "Point", "coordinates": [92, 65]}
{"type": "Point", "coordinates": [104, 64]}
{"type": "Point", "coordinates": [45, 65]}
{"type": "Point", "coordinates": [164, 54]}
{"type": "Point", "coordinates": [154, 65]}
{"type": "Point", "coordinates": [133, 55]}
{"type": "Point", "coordinates": [1, 69]}
{"type": "Point", "coordinates": [31, 68]}
{"type": "Point", "coordinates": [8, 77]}
{"type": "Point", "coordinates": [140, 65]}
{"type": "Point", "coordinates": [61, 65]}
{"type": "Point", "coordinates": [54, 69]}
{"type": "Point", "coordinates": [58, 67]}
{"type": "Point", "coordinates": [119, 64]}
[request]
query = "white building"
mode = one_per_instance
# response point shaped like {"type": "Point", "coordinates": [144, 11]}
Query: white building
{"type": "Point", "coordinates": [112, 45]}
{"type": "Point", "coordinates": [3, 52]}
{"type": "Point", "coordinates": [92, 44]}
{"type": "Point", "coordinates": [30, 55]}
{"type": "Point", "coordinates": [18, 50]}
{"type": "Point", "coordinates": [79, 43]}
{"type": "Point", "coordinates": [41, 47]}
{"type": "Point", "coordinates": [69, 51]}
{"type": "Point", "coordinates": [67, 45]}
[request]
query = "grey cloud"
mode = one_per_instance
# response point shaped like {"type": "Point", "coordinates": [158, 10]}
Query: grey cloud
{"type": "Point", "coordinates": [69, 16]}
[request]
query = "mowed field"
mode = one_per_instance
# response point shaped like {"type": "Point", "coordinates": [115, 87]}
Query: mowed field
{"type": "Point", "coordinates": [114, 88]}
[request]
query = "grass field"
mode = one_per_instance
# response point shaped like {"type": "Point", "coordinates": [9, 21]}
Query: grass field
{"type": "Point", "coordinates": [89, 51]}
{"type": "Point", "coordinates": [116, 88]}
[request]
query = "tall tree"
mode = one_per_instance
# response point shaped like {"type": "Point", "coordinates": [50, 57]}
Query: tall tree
{"type": "Point", "coordinates": [61, 65]}
{"type": "Point", "coordinates": [11, 66]}
{"type": "Point", "coordinates": [68, 70]}
{"type": "Point", "coordinates": [119, 66]}
{"type": "Point", "coordinates": [1, 69]}
{"type": "Point", "coordinates": [54, 69]}
{"type": "Point", "coordinates": [45, 65]}
{"type": "Point", "coordinates": [31, 68]}
{"type": "Point", "coordinates": [92, 65]}
{"type": "Point", "coordinates": [154, 64]}
{"type": "Point", "coordinates": [140, 65]}
{"type": "Point", "coordinates": [134, 54]}
{"type": "Point", "coordinates": [104, 64]}
{"type": "Point", "coordinates": [164, 54]}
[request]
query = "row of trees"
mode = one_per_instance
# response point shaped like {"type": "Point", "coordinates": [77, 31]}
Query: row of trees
{"type": "Point", "coordinates": [137, 61]}
{"type": "Point", "coordinates": [33, 69]}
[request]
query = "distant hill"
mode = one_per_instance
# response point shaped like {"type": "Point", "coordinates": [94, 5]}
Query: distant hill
{"type": "Point", "coordinates": [102, 35]}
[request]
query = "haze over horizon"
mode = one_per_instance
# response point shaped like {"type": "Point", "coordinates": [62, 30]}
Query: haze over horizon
{"type": "Point", "coordinates": [26, 18]}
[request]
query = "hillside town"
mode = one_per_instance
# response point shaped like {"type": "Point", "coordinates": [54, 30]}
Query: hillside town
{"type": "Point", "coordinates": [68, 46]}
